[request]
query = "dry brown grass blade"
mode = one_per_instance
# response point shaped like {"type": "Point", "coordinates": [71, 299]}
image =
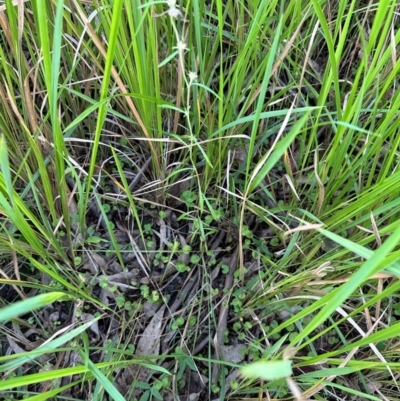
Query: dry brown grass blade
{"type": "Point", "coordinates": [26, 95]}
{"type": "Point", "coordinates": [32, 116]}
{"type": "Point", "coordinates": [5, 26]}
{"type": "Point", "coordinates": [307, 56]}
{"type": "Point", "coordinates": [6, 29]}
{"type": "Point", "coordinates": [21, 10]}
{"type": "Point", "coordinates": [15, 110]}
{"type": "Point", "coordinates": [6, 105]}
{"type": "Point", "coordinates": [16, 288]}
{"type": "Point", "coordinates": [15, 3]}
{"type": "Point", "coordinates": [321, 193]}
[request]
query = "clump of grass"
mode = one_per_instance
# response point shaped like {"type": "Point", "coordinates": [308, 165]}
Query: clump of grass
{"type": "Point", "coordinates": [235, 163]}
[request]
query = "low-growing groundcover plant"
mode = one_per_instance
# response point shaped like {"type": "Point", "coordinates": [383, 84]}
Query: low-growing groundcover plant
{"type": "Point", "coordinates": [199, 200]}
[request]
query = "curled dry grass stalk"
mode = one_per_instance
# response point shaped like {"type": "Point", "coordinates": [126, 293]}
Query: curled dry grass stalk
{"type": "Point", "coordinates": [234, 162]}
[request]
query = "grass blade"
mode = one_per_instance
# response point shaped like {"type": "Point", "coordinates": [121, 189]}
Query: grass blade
{"type": "Point", "coordinates": [28, 305]}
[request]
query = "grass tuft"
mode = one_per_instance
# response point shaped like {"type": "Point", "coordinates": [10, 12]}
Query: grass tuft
{"type": "Point", "coordinates": [198, 200]}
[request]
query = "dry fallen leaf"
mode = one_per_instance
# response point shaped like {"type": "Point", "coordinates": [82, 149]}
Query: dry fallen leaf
{"type": "Point", "coordinates": [149, 342]}
{"type": "Point", "coordinates": [94, 263]}
{"type": "Point", "coordinates": [149, 309]}
{"type": "Point", "coordinates": [193, 397]}
{"type": "Point", "coordinates": [148, 345]}
{"type": "Point", "coordinates": [233, 353]}
{"type": "Point", "coordinates": [87, 317]}
{"type": "Point", "coordinates": [234, 375]}
{"type": "Point", "coordinates": [14, 346]}
{"type": "Point", "coordinates": [122, 280]}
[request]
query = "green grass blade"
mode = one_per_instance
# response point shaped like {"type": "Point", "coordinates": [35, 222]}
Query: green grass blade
{"type": "Point", "coordinates": [47, 347]}
{"type": "Point", "coordinates": [339, 295]}
{"type": "Point", "coordinates": [270, 160]}
{"type": "Point", "coordinates": [261, 98]}
{"type": "Point", "coordinates": [103, 380]}
{"type": "Point", "coordinates": [116, 17]}
{"type": "Point", "coordinates": [28, 305]}
{"type": "Point", "coordinates": [5, 168]}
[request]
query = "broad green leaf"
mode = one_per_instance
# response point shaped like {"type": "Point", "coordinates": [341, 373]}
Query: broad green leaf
{"type": "Point", "coordinates": [267, 370]}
